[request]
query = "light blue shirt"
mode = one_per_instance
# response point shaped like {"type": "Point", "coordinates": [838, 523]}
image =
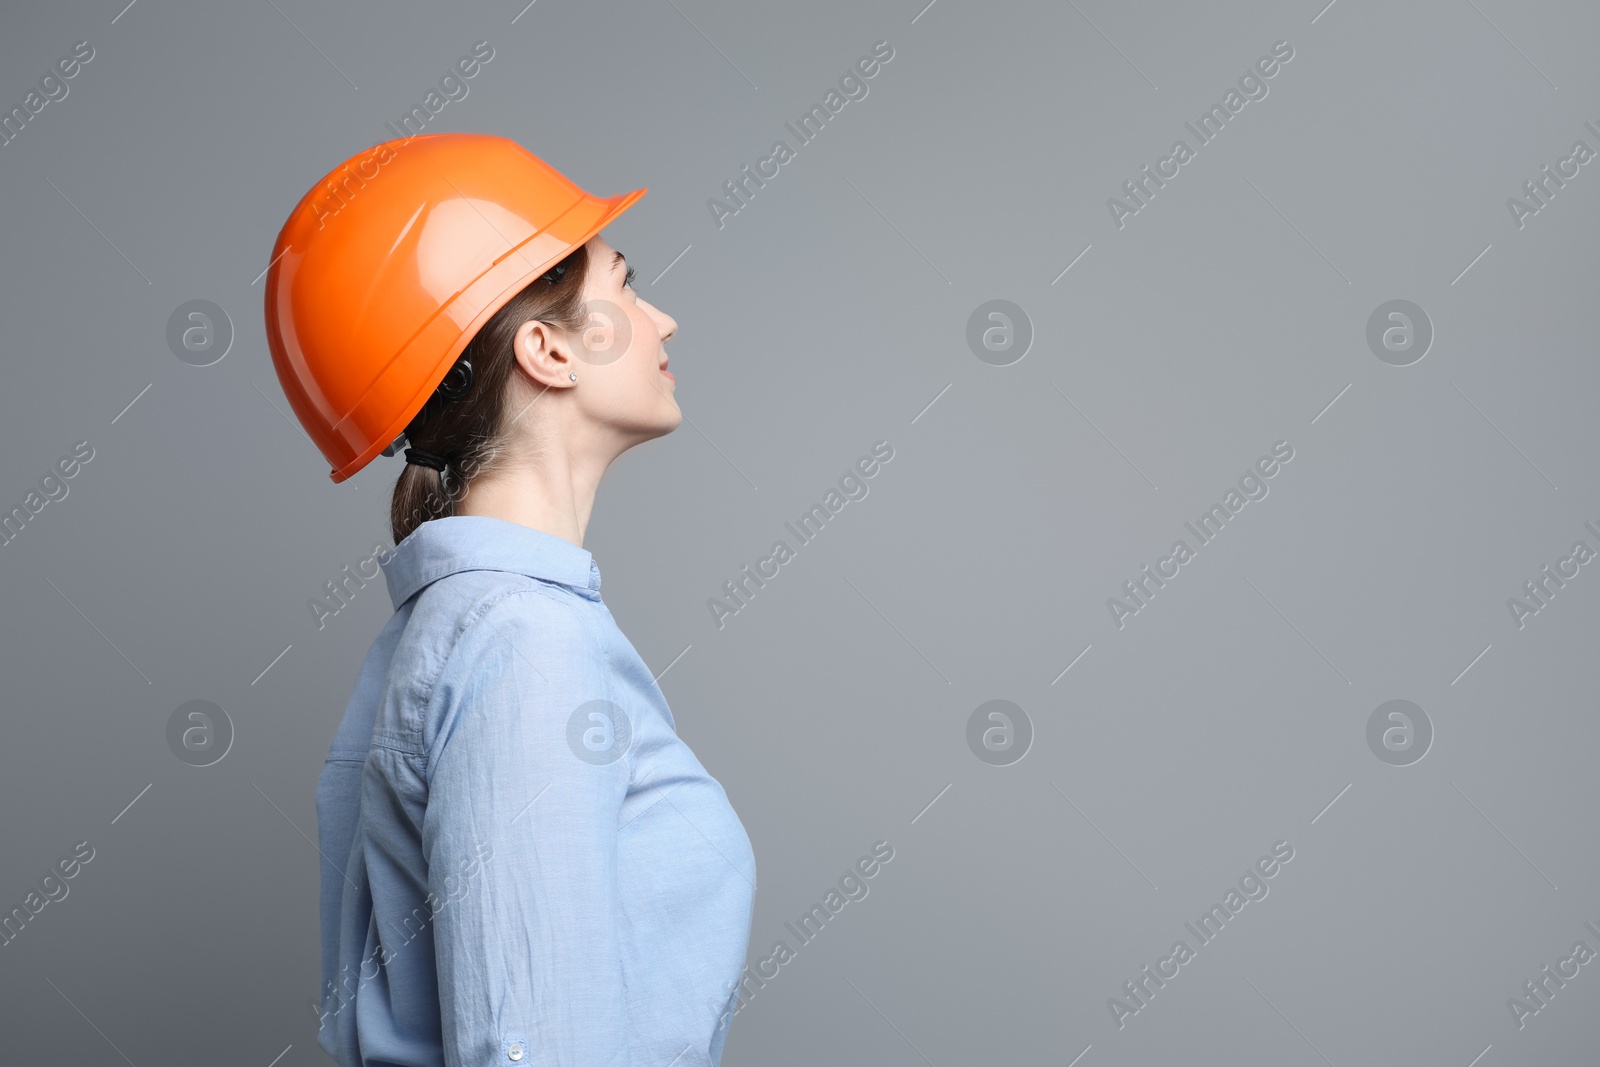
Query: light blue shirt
{"type": "Point", "coordinates": [523, 865]}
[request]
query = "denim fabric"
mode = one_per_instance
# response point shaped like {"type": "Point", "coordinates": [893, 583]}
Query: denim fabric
{"type": "Point", "coordinates": [503, 883]}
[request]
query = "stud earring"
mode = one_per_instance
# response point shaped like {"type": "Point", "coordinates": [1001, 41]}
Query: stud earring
{"type": "Point", "coordinates": [573, 375]}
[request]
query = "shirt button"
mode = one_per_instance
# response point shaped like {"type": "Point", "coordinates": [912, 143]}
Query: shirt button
{"type": "Point", "coordinates": [515, 1052]}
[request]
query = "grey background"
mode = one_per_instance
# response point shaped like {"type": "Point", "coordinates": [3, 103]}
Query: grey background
{"type": "Point", "coordinates": [831, 312]}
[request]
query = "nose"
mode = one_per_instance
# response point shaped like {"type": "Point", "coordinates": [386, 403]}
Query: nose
{"type": "Point", "coordinates": [666, 325]}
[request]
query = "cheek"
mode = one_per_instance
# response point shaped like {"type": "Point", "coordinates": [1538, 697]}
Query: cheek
{"type": "Point", "coordinates": [608, 335]}
{"type": "Point", "coordinates": [642, 345]}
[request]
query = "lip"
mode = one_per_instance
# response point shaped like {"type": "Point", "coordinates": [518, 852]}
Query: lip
{"type": "Point", "coordinates": [665, 373]}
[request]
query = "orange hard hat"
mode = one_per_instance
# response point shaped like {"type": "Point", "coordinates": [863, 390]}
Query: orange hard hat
{"type": "Point", "coordinates": [390, 264]}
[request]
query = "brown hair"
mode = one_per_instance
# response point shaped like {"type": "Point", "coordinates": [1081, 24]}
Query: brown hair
{"type": "Point", "coordinates": [467, 427]}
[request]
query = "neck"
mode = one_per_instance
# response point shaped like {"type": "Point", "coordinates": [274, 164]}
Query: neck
{"type": "Point", "coordinates": [554, 495]}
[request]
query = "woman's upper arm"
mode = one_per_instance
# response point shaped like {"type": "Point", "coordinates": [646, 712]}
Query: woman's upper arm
{"type": "Point", "coordinates": [520, 836]}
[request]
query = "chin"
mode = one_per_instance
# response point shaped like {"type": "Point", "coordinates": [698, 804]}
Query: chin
{"type": "Point", "coordinates": [665, 423]}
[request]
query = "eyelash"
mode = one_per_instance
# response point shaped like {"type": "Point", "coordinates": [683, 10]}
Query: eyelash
{"type": "Point", "coordinates": [627, 279]}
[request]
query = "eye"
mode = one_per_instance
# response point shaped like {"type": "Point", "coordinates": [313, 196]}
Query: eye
{"type": "Point", "coordinates": [627, 279]}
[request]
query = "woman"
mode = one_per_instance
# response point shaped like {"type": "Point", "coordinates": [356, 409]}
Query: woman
{"type": "Point", "coordinates": [522, 863]}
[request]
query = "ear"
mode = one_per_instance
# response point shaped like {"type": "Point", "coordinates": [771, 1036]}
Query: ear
{"type": "Point", "coordinates": [544, 353]}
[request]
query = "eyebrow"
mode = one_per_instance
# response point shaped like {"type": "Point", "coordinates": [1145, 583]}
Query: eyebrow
{"type": "Point", "coordinates": [617, 258]}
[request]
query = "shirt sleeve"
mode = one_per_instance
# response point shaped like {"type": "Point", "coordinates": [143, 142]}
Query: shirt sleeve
{"type": "Point", "coordinates": [528, 769]}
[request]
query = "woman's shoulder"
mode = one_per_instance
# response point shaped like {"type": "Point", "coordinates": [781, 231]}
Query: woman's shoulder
{"type": "Point", "coordinates": [516, 644]}
{"type": "Point", "coordinates": [463, 620]}
{"type": "Point", "coordinates": [466, 612]}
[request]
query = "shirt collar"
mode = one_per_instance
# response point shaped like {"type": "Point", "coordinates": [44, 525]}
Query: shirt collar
{"type": "Point", "coordinates": [455, 543]}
